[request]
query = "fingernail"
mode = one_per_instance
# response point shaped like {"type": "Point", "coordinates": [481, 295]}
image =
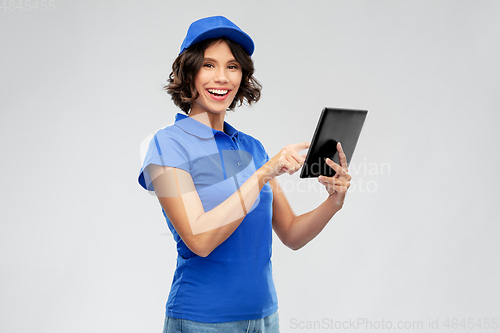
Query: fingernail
{"type": "Point", "coordinates": [321, 177]}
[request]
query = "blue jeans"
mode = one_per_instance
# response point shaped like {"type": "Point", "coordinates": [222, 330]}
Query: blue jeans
{"type": "Point", "coordinates": [269, 324]}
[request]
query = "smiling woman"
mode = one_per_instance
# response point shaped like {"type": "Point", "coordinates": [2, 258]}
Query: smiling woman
{"type": "Point", "coordinates": [182, 86]}
{"type": "Point", "coordinates": [218, 190]}
{"type": "Point", "coordinates": [217, 81]}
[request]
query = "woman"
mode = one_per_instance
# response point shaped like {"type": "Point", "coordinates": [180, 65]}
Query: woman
{"type": "Point", "coordinates": [218, 190]}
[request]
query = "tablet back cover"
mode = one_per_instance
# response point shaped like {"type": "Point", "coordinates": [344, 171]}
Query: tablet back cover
{"type": "Point", "coordinates": [334, 125]}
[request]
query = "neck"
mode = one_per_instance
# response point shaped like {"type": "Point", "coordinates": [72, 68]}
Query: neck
{"type": "Point", "coordinates": [213, 120]}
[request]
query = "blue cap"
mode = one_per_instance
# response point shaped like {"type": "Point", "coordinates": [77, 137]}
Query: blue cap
{"type": "Point", "coordinates": [214, 27]}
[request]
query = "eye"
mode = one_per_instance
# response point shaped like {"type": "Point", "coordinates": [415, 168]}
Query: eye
{"type": "Point", "coordinates": [208, 65]}
{"type": "Point", "coordinates": [233, 67]}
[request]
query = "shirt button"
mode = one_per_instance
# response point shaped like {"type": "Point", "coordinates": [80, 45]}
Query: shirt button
{"type": "Point", "coordinates": [232, 148]}
{"type": "Point", "coordinates": [239, 163]}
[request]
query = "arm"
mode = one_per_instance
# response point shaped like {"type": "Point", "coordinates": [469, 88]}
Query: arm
{"type": "Point", "coordinates": [296, 231]}
{"type": "Point", "coordinates": [203, 231]}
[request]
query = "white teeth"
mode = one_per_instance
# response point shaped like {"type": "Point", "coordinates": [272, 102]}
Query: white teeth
{"type": "Point", "coordinates": [217, 91]}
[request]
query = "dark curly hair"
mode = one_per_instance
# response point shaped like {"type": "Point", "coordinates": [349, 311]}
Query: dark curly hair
{"type": "Point", "coordinates": [184, 69]}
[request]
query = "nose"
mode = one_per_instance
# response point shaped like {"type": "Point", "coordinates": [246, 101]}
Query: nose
{"type": "Point", "coordinates": [220, 76]}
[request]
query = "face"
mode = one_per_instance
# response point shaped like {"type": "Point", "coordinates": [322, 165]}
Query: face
{"type": "Point", "coordinates": [218, 79]}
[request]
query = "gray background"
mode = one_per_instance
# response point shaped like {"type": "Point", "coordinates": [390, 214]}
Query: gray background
{"type": "Point", "coordinates": [85, 249]}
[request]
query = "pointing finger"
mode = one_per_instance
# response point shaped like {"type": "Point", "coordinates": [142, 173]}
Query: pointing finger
{"type": "Point", "coordinates": [301, 146]}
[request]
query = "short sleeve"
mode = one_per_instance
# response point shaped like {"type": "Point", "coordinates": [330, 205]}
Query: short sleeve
{"type": "Point", "coordinates": [264, 152]}
{"type": "Point", "coordinates": [164, 150]}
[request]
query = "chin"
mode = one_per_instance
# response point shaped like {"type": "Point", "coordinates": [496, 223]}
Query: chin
{"type": "Point", "coordinates": [217, 110]}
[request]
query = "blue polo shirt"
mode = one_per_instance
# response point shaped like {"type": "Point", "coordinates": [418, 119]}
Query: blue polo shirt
{"type": "Point", "coordinates": [234, 282]}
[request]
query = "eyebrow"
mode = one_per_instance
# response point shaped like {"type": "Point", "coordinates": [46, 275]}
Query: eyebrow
{"type": "Point", "coordinates": [210, 59]}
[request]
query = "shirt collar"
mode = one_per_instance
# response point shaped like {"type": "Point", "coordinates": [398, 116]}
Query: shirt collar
{"type": "Point", "coordinates": [200, 130]}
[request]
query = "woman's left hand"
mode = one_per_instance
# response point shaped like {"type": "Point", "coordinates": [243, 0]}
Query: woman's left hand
{"type": "Point", "coordinates": [337, 185]}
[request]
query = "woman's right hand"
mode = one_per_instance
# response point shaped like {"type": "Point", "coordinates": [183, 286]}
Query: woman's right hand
{"type": "Point", "coordinates": [288, 160]}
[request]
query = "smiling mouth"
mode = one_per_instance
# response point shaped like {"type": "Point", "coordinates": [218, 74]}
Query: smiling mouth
{"type": "Point", "coordinates": [218, 92]}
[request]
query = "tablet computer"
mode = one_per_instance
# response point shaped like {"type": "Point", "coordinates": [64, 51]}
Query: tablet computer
{"type": "Point", "coordinates": [334, 125]}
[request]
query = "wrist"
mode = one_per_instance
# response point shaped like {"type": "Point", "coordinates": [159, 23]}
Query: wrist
{"type": "Point", "coordinates": [333, 203]}
{"type": "Point", "coordinates": [264, 174]}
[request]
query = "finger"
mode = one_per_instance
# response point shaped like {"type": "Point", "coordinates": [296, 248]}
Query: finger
{"type": "Point", "coordinates": [282, 166]}
{"type": "Point", "coordinates": [299, 158]}
{"type": "Point", "coordinates": [342, 157]}
{"type": "Point", "coordinates": [292, 164]}
{"type": "Point", "coordinates": [300, 146]}
{"type": "Point", "coordinates": [340, 172]}
{"type": "Point", "coordinates": [332, 189]}
{"type": "Point", "coordinates": [331, 181]}
{"type": "Point", "coordinates": [329, 189]}
{"type": "Point", "coordinates": [338, 169]}
{"type": "Point", "coordinates": [285, 166]}
{"type": "Point", "coordinates": [291, 154]}
{"type": "Point", "coordinates": [338, 187]}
